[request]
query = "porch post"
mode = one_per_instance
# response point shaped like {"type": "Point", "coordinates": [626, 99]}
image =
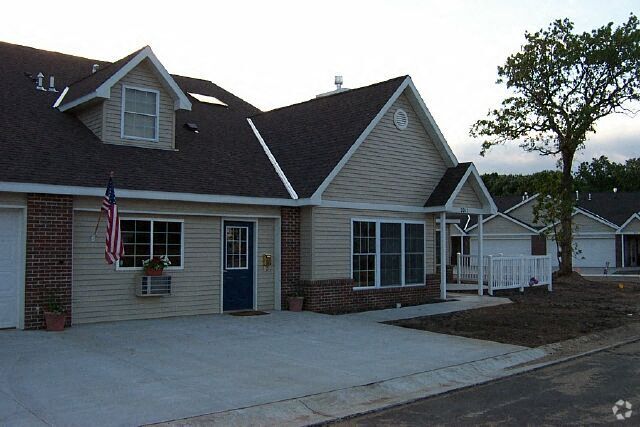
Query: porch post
{"type": "Point", "coordinates": [622, 245]}
{"type": "Point", "coordinates": [480, 256]}
{"type": "Point", "coordinates": [443, 255]}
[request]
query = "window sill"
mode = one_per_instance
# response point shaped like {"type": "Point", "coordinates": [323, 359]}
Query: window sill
{"type": "Point", "coordinates": [369, 288]}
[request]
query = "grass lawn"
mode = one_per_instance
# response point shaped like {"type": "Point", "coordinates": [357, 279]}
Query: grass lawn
{"type": "Point", "coordinates": [575, 307]}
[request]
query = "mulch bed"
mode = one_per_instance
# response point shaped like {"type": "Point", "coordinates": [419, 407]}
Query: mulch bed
{"type": "Point", "coordinates": [575, 307]}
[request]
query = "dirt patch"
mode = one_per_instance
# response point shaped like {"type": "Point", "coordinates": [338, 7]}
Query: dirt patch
{"type": "Point", "coordinates": [576, 307]}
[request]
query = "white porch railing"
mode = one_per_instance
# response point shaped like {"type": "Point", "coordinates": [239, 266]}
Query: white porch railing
{"type": "Point", "coordinates": [467, 268]}
{"type": "Point", "coordinates": [507, 272]}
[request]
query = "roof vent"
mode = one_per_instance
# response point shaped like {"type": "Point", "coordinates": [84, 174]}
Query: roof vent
{"type": "Point", "coordinates": [192, 127]}
{"type": "Point", "coordinates": [52, 84]}
{"type": "Point", "coordinates": [95, 68]}
{"type": "Point", "coordinates": [40, 84]}
{"type": "Point", "coordinates": [401, 119]}
{"type": "Point", "coordinates": [589, 196]}
{"type": "Point", "coordinates": [338, 81]}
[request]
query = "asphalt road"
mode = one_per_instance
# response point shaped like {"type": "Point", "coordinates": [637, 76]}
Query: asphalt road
{"type": "Point", "coordinates": [579, 392]}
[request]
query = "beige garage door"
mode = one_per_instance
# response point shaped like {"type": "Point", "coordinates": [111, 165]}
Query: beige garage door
{"type": "Point", "coordinates": [10, 265]}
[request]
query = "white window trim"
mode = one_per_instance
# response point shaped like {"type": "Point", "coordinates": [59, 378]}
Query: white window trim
{"type": "Point", "coordinates": [402, 223]}
{"type": "Point", "coordinates": [246, 254]}
{"type": "Point", "coordinates": [171, 267]}
{"type": "Point", "coordinates": [122, 111]}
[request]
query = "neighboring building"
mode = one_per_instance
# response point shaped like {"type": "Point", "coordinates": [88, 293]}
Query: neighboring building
{"type": "Point", "coordinates": [334, 198]}
{"type": "Point", "coordinates": [607, 230]}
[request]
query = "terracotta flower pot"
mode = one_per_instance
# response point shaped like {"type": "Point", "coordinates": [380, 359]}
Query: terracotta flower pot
{"type": "Point", "coordinates": [295, 303]}
{"type": "Point", "coordinates": [152, 272]}
{"type": "Point", "coordinates": [54, 321]}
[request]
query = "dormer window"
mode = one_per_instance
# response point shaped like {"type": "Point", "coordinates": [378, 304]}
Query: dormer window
{"type": "Point", "coordinates": [140, 110]}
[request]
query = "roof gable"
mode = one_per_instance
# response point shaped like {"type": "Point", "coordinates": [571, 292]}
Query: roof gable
{"type": "Point", "coordinates": [452, 183]}
{"type": "Point", "coordinates": [395, 166]}
{"type": "Point", "coordinates": [99, 84]}
{"type": "Point", "coordinates": [513, 225]}
{"type": "Point", "coordinates": [631, 225]}
{"type": "Point", "coordinates": [308, 139]}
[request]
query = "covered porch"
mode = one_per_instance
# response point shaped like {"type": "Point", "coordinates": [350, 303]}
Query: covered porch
{"type": "Point", "coordinates": [460, 193]}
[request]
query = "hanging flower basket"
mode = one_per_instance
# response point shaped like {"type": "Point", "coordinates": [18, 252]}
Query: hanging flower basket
{"type": "Point", "coordinates": [154, 266]}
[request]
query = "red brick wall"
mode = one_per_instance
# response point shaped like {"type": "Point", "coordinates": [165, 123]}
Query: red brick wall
{"type": "Point", "coordinates": [290, 250]}
{"type": "Point", "coordinates": [49, 256]}
{"type": "Point", "coordinates": [338, 296]}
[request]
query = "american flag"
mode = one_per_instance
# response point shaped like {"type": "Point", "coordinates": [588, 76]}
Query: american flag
{"type": "Point", "coordinates": [113, 247]}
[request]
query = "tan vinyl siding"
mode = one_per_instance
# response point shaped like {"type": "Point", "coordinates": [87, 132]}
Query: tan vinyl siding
{"type": "Point", "coordinates": [266, 278]}
{"type": "Point", "coordinates": [632, 227]}
{"type": "Point", "coordinates": [584, 224]}
{"type": "Point", "coordinates": [306, 239]}
{"type": "Point", "coordinates": [179, 208]}
{"type": "Point", "coordinates": [13, 199]}
{"type": "Point", "coordinates": [392, 166]}
{"type": "Point", "coordinates": [92, 117]}
{"type": "Point", "coordinates": [468, 197]}
{"type": "Point", "coordinates": [524, 213]}
{"type": "Point", "coordinates": [141, 76]}
{"type": "Point", "coordinates": [500, 225]}
{"type": "Point", "coordinates": [332, 239]}
{"type": "Point", "coordinates": [102, 294]}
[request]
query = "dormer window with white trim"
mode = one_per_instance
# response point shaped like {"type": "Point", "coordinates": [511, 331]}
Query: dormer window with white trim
{"type": "Point", "coordinates": [140, 111]}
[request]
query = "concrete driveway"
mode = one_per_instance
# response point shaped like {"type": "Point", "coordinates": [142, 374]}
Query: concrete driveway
{"type": "Point", "coordinates": [136, 372]}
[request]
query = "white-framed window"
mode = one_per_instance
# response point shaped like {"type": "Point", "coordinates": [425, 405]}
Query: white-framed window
{"type": "Point", "coordinates": [140, 111]}
{"type": "Point", "coordinates": [145, 238]}
{"type": "Point", "coordinates": [237, 249]}
{"type": "Point", "coordinates": [387, 252]}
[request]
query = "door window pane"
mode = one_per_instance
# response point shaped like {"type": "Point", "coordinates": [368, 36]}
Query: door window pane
{"type": "Point", "coordinates": [237, 247]}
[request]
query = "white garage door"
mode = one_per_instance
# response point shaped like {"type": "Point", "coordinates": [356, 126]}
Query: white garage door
{"type": "Point", "coordinates": [595, 252]}
{"type": "Point", "coordinates": [506, 247]}
{"type": "Point", "coordinates": [10, 265]}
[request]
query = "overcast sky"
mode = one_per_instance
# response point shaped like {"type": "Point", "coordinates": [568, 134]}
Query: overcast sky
{"type": "Point", "coordinates": [274, 53]}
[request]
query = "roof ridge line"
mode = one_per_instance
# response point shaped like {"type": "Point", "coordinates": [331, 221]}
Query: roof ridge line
{"type": "Point", "coordinates": [344, 92]}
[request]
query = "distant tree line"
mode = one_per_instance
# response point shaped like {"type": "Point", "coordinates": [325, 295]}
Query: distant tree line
{"type": "Point", "coordinates": [601, 174]}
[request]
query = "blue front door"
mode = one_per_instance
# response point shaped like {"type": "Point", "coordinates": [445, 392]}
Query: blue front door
{"type": "Point", "coordinates": [238, 265]}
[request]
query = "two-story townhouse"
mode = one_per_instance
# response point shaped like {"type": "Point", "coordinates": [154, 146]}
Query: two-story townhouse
{"type": "Point", "coordinates": [335, 198]}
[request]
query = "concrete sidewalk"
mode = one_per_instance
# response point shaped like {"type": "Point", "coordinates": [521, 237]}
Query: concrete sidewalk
{"type": "Point", "coordinates": [139, 372]}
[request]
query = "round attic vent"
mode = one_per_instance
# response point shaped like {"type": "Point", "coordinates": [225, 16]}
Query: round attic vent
{"type": "Point", "coordinates": [401, 119]}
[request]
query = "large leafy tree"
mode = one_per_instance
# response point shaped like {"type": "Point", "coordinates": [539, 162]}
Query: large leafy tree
{"type": "Point", "coordinates": [561, 83]}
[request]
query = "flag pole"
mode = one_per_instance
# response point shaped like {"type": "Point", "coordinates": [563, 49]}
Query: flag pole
{"type": "Point", "coordinates": [95, 230]}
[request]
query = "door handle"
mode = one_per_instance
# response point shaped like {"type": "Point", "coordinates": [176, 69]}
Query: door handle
{"type": "Point", "coordinates": [224, 271]}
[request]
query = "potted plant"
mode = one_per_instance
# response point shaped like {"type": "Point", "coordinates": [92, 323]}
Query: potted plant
{"type": "Point", "coordinates": [154, 266]}
{"type": "Point", "coordinates": [54, 315]}
{"type": "Point", "coordinates": [295, 302]}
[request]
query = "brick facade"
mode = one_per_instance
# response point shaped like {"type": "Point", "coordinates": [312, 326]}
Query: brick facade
{"type": "Point", "coordinates": [49, 256]}
{"type": "Point", "coordinates": [338, 296]}
{"type": "Point", "coordinates": [290, 253]}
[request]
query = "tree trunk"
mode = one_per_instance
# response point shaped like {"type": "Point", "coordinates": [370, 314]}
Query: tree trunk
{"type": "Point", "coordinates": [566, 233]}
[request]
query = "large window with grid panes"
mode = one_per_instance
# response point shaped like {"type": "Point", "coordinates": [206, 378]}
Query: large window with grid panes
{"type": "Point", "coordinates": [147, 238]}
{"type": "Point", "coordinates": [387, 253]}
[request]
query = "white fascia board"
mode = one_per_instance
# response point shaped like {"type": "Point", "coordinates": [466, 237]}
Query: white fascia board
{"type": "Point", "coordinates": [61, 97]}
{"type": "Point", "coordinates": [596, 218]}
{"type": "Point", "coordinates": [431, 126]}
{"type": "Point", "coordinates": [577, 211]}
{"type": "Point", "coordinates": [273, 161]}
{"type": "Point", "coordinates": [318, 193]}
{"type": "Point", "coordinates": [627, 222]}
{"type": "Point", "coordinates": [104, 90]}
{"type": "Point", "coordinates": [524, 202]}
{"type": "Point", "coordinates": [508, 218]}
{"type": "Point", "coordinates": [21, 187]}
{"type": "Point", "coordinates": [472, 171]}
